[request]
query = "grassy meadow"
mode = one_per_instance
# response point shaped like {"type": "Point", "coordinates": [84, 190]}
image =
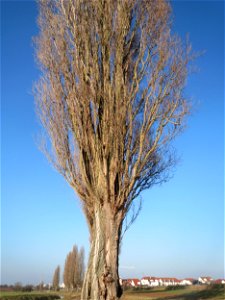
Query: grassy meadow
{"type": "Point", "coordinates": [189, 293]}
{"type": "Point", "coordinates": [214, 292]}
{"type": "Point", "coordinates": [39, 295]}
{"type": "Point", "coordinates": [35, 295]}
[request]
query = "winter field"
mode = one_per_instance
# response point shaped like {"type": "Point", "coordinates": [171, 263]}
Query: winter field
{"type": "Point", "coordinates": [213, 292]}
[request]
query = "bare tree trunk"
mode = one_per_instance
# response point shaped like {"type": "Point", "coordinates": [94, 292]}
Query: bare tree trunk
{"type": "Point", "coordinates": [101, 280]}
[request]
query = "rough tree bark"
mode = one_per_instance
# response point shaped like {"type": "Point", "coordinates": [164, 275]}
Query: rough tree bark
{"type": "Point", "coordinates": [102, 280]}
{"type": "Point", "coordinates": [111, 100]}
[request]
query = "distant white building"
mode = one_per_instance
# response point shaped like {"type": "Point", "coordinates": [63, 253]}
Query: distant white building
{"type": "Point", "coordinates": [205, 280]}
{"type": "Point", "coordinates": [169, 281]}
{"type": "Point", "coordinates": [154, 281]}
{"type": "Point", "coordinates": [187, 281]}
{"type": "Point", "coordinates": [145, 281]}
{"type": "Point", "coordinates": [62, 285]}
{"type": "Point", "coordinates": [150, 281]}
{"type": "Point", "coordinates": [159, 281]}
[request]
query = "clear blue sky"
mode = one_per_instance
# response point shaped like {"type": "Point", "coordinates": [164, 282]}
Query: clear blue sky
{"type": "Point", "coordinates": [180, 231]}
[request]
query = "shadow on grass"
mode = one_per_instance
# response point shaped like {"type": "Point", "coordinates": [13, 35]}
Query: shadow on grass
{"type": "Point", "coordinates": [212, 292]}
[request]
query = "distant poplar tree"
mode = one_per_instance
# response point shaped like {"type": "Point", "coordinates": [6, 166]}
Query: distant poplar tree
{"type": "Point", "coordinates": [56, 278]}
{"type": "Point", "coordinates": [66, 272]}
{"type": "Point", "coordinates": [81, 267]}
{"type": "Point", "coordinates": [74, 268]}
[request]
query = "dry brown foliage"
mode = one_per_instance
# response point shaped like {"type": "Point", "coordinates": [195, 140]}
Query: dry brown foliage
{"type": "Point", "coordinates": [74, 269]}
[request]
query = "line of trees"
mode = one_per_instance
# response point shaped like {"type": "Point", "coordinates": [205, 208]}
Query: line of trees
{"type": "Point", "coordinates": [19, 287]}
{"type": "Point", "coordinates": [73, 270]}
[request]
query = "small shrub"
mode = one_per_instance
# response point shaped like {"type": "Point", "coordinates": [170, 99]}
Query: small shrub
{"type": "Point", "coordinates": [216, 286]}
{"type": "Point", "coordinates": [27, 288]}
{"type": "Point", "coordinates": [17, 287]}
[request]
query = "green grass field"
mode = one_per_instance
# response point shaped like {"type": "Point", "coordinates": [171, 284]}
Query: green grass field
{"type": "Point", "coordinates": [29, 295]}
{"type": "Point", "coordinates": [189, 293]}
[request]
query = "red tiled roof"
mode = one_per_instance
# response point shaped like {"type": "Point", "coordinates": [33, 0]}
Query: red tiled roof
{"type": "Point", "coordinates": [129, 280]}
{"type": "Point", "coordinates": [136, 281]}
{"type": "Point", "coordinates": [149, 278]}
{"type": "Point", "coordinates": [169, 279]}
{"type": "Point", "coordinates": [219, 280]}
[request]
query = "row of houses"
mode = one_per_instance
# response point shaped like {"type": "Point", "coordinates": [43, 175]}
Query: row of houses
{"type": "Point", "coordinates": [162, 281]}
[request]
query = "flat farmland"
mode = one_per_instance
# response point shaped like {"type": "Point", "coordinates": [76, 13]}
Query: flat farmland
{"type": "Point", "coordinates": [188, 293]}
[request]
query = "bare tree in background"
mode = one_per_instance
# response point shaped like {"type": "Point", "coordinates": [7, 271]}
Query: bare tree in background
{"type": "Point", "coordinates": [70, 267]}
{"type": "Point", "coordinates": [66, 276]}
{"type": "Point", "coordinates": [56, 279]}
{"type": "Point", "coordinates": [74, 269]}
{"type": "Point", "coordinates": [111, 100]}
{"type": "Point", "coordinates": [81, 268]}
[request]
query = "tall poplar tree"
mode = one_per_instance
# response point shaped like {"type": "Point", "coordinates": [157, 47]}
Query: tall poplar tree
{"type": "Point", "coordinates": [56, 279]}
{"type": "Point", "coordinates": [111, 100]}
